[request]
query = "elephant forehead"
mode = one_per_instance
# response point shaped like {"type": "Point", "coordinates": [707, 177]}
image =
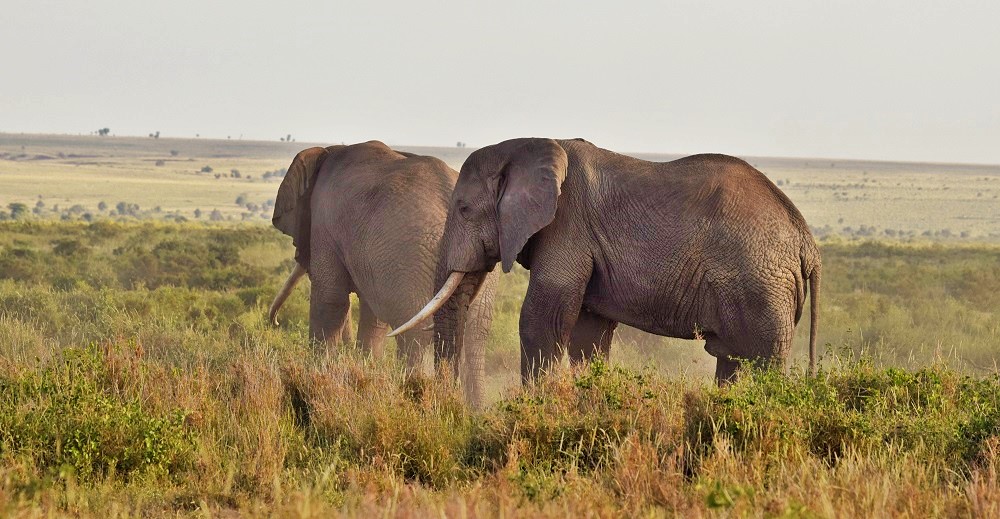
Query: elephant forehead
{"type": "Point", "coordinates": [471, 187]}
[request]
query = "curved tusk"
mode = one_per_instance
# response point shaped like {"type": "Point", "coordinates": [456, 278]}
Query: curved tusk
{"type": "Point", "coordinates": [293, 278]}
{"type": "Point", "coordinates": [479, 290]}
{"type": "Point", "coordinates": [436, 302]}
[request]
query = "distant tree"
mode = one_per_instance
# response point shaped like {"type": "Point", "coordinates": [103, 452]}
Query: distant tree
{"type": "Point", "coordinates": [206, 169]}
{"type": "Point", "coordinates": [282, 139]}
{"type": "Point", "coordinates": [102, 206]}
{"type": "Point", "coordinates": [17, 210]}
{"type": "Point", "coordinates": [216, 216]}
{"type": "Point", "coordinates": [103, 132]}
{"type": "Point", "coordinates": [235, 173]}
{"type": "Point", "coordinates": [39, 205]}
{"type": "Point", "coordinates": [156, 135]}
{"type": "Point", "coordinates": [174, 153]}
{"type": "Point", "coordinates": [121, 207]}
{"type": "Point", "coordinates": [197, 213]}
{"type": "Point", "coordinates": [160, 163]}
{"type": "Point", "coordinates": [242, 199]}
{"type": "Point", "coordinates": [288, 138]}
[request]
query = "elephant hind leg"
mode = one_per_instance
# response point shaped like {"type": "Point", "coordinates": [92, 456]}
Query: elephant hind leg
{"type": "Point", "coordinates": [330, 318]}
{"type": "Point", "coordinates": [410, 349]}
{"type": "Point", "coordinates": [591, 336]}
{"type": "Point", "coordinates": [371, 332]}
{"type": "Point", "coordinates": [330, 303]}
{"type": "Point", "coordinates": [759, 333]}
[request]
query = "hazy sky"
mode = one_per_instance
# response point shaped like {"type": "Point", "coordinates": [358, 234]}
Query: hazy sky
{"type": "Point", "coordinates": [906, 80]}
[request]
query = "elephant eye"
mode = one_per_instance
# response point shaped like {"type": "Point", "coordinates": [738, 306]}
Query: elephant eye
{"type": "Point", "coordinates": [464, 209]}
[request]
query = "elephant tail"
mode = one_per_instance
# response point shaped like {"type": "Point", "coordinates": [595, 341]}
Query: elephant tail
{"type": "Point", "coordinates": [293, 279]}
{"type": "Point", "coordinates": [814, 282]}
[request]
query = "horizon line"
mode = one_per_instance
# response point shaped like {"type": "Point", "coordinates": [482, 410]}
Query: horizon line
{"type": "Point", "coordinates": [473, 148]}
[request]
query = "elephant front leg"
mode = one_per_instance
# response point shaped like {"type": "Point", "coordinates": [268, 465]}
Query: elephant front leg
{"type": "Point", "coordinates": [591, 336]}
{"type": "Point", "coordinates": [549, 312]}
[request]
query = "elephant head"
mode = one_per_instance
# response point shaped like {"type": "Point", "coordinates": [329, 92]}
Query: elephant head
{"type": "Point", "coordinates": [505, 194]}
{"type": "Point", "coordinates": [291, 207]}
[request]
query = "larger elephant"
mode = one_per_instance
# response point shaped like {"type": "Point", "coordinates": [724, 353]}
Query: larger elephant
{"type": "Point", "coordinates": [701, 247]}
{"type": "Point", "coordinates": [367, 219]}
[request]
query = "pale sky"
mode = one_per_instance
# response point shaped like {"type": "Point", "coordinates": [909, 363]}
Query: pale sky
{"type": "Point", "coordinates": [894, 80]}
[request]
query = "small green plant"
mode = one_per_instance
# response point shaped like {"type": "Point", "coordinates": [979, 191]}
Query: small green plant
{"type": "Point", "coordinates": [65, 417]}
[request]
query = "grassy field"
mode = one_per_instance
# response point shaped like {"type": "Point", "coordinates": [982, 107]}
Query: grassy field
{"type": "Point", "coordinates": [138, 374]}
{"type": "Point", "coordinates": [852, 199]}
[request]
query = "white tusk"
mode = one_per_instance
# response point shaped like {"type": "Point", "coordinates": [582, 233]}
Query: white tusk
{"type": "Point", "coordinates": [436, 302]}
{"type": "Point", "coordinates": [479, 290]}
{"type": "Point", "coordinates": [279, 300]}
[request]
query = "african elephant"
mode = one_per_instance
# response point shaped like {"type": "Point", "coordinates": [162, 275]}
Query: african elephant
{"type": "Point", "coordinates": [368, 219]}
{"type": "Point", "coordinates": [701, 247]}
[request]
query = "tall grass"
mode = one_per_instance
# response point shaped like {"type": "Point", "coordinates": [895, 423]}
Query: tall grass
{"type": "Point", "coordinates": [138, 376]}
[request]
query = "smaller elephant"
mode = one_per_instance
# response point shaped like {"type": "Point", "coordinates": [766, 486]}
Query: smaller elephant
{"type": "Point", "coordinates": [367, 219]}
{"type": "Point", "coordinates": [701, 247]}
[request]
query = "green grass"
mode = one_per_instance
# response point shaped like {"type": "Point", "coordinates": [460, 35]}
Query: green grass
{"type": "Point", "coordinates": [138, 376]}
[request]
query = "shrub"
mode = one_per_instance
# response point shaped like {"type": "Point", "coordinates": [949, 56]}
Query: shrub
{"type": "Point", "coordinates": [63, 417]}
{"type": "Point", "coordinates": [17, 210]}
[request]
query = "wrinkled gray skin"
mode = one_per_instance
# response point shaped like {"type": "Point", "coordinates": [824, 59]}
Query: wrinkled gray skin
{"type": "Point", "coordinates": [375, 218]}
{"type": "Point", "coordinates": [701, 247]}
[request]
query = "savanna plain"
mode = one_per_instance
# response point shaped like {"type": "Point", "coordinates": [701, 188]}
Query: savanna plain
{"type": "Point", "coordinates": [139, 375]}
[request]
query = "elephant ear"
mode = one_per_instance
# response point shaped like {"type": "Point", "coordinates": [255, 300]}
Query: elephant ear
{"type": "Point", "coordinates": [529, 190]}
{"type": "Point", "coordinates": [291, 207]}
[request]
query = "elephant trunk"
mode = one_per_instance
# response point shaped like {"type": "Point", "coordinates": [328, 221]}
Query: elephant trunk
{"type": "Point", "coordinates": [286, 290]}
{"type": "Point", "coordinates": [450, 319]}
{"type": "Point", "coordinates": [448, 288]}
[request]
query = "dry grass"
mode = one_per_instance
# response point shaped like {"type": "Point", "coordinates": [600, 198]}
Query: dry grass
{"type": "Point", "coordinates": [139, 377]}
{"type": "Point", "coordinates": [852, 199]}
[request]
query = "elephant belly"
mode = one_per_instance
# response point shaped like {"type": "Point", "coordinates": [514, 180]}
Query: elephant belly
{"type": "Point", "coordinates": [662, 315]}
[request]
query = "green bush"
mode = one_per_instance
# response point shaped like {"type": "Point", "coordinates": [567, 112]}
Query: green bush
{"type": "Point", "coordinates": [64, 417]}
